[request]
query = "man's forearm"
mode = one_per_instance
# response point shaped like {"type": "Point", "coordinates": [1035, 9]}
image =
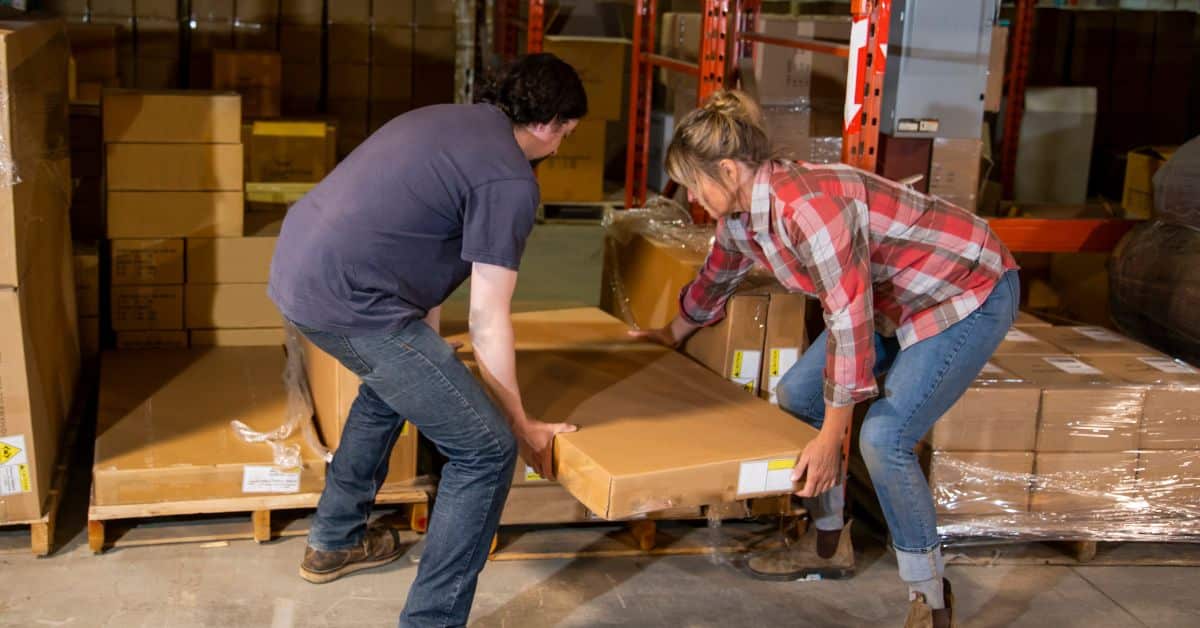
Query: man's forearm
{"type": "Point", "coordinates": [493, 346]}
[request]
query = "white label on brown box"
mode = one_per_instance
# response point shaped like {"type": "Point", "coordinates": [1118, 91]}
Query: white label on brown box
{"type": "Point", "coordinates": [782, 360]}
{"type": "Point", "coordinates": [1072, 366]}
{"type": "Point", "coordinates": [765, 476]}
{"type": "Point", "coordinates": [14, 466]}
{"type": "Point", "coordinates": [1016, 335]}
{"type": "Point", "coordinates": [991, 369]}
{"type": "Point", "coordinates": [746, 365]}
{"type": "Point", "coordinates": [1099, 334]}
{"type": "Point", "coordinates": [268, 479]}
{"type": "Point", "coordinates": [1167, 365]}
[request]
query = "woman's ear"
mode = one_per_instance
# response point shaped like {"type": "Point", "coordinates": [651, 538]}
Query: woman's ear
{"type": "Point", "coordinates": [730, 169]}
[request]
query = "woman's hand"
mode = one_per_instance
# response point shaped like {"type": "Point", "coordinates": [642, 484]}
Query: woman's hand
{"type": "Point", "coordinates": [820, 464]}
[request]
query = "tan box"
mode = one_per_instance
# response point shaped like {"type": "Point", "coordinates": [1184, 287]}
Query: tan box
{"type": "Point", "coordinates": [539, 505]}
{"type": "Point", "coordinates": [1019, 341]}
{"type": "Point", "coordinates": [290, 151]}
{"type": "Point", "coordinates": [87, 280]}
{"type": "Point", "coordinates": [144, 308]}
{"type": "Point", "coordinates": [392, 48]}
{"type": "Point", "coordinates": [172, 116]}
{"type": "Point", "coordinates": [300, 45]}
{"type": "Point", "coordinates": [1083, 409]}
{"type": "Point", "coordinates": [1074, 483]}
{"type": "Point", "coordinates": [391, 84]}
{"type": "Point", "coordinates": [349, 43]}
{"type": "Point", "coordinates": [576, 172]}
{"type": "Point", "coordinates": [789, 76]}
{"type": "Point", "coordinates": [1090, 341]}
{"type": "Point", "coordinates": [94, 49]}
{"type": "Point", "coordinates": [174, 167]}
{"type": "Point", "coordinates": [229, 260]}
{"type": "Point", "coordinates": [999, 412]}
{"type": "Point", "coordinates": [164, 436]}
{"type": "Point", "coordinates": [349, 81]}
{"type": "Point", "coordinates": [954, 171]}
{"type": "Point", "coordinates": [255, 74]}
{"type": "Point", "coordinates": [995, 77]}
{"type": "Point", "coordinates": [1171, 417]}
{"type": "Point", "coordinates": [981, 483]}
{"type": "Point", "coordinates": [174, 339]}
{"type": "Point", "coordinates": [392, 12]}
{"type": "Point", "coordinates": [439, 14]}
{"type": "Point", "coordinates": [788, 320]}
{"type": "Point", "coordinates": [801, 133]}
{"type": "Point", "coordinates": [231, 305]}
{"type": "Point", "coordinates": [601, 65]}
{"type": "Point", "coordinates": [303, 12]}
{"type": "Point", "coordinates": [1170, 479]}
{"type": "Point", "coordinates": [174, 214]}
{"type": "Point", "coordinates": [147, 262]}
{"type": "Point", "coordinates": [1140, 165]}
{"type": "Point", "coordinates": [1025, 319]}
{"type": "Point", "coordinates": [334, 389]}
{"type": "Point", "coordinates": [265, 337]}
{"type": "Point", "coordinates": [733, 348]}
{"type": "Point", "coordinates": [643, 275]}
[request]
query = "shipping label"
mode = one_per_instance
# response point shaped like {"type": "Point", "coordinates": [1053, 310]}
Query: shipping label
{"type": "Point", "coordinates": [782, 360]}
{"type": "Point", "coordinates": [14, 466]}
{"type": "Point", "coordinates": [1168, 365]}
{"type": "Point", "coordinates": [269, 479]}
{"type": "Point", "coordinates": [745, 370]}
{"type": "Point", "coordinates": [1072, 366]}
{"type": "Point", "coordinates": [773, 475]}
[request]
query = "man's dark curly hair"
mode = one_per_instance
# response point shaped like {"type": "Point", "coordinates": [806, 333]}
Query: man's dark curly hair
{"type": "Point", "coordinates": [537, 89]}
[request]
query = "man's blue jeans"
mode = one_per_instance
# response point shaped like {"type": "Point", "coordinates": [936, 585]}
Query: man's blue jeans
{"type": "Point", "coordinates": [923, 382]}
{"type": "Point", "coordinates": [412, 374]}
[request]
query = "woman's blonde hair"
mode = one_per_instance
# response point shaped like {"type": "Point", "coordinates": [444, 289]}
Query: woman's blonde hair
{"type": "Point", "coordinates": [730, 125]}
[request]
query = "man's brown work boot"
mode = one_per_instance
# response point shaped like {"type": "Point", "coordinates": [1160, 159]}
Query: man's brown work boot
{"type": "Point", "coordinates": [813, 557]}
{"type": "Point", "coordinates": [920, 615]}
{"type": "Point", "coordinates": [380, 546]}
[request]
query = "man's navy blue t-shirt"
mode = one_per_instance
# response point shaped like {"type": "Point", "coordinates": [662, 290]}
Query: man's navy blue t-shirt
{"type": "Point", "coordinates": [393, 230]}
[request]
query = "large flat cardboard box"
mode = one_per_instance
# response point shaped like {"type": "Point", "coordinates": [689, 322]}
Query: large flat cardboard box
{"type": "Point", "coordinates": [601, 64]}
{"type": "Point", "coordinates": [551, 504]}
{"type": "Point", "coordinates": [643, 275]}
{"type": "Point", "coordinates": [172, 116]}
{"type": "Point", "coordinates": [1076, 483]}
{"type": "Point", "coordinates": [167, 339]}
{"type": "Point", "coordinates": [657, 431]}
{"type": "Point", "coordinates": [230, 305]}
{"type": "Point", "coordinates": [164, 434]}
{"type": "Point", "coordinates": [789, 76]}
{"type": "Point", "coordinates": [334, 389]}
{"type": "Point", "coordinates": [1019, 341]}
{"type": "Point", "coordinates": [576, 172]}
{"type": "Point", "coordinates": [1137, 197]}
{"type": "Point", "coordinates": [175, 214]}
{"type": "Point", "coordinates": [289, 151]}
{"type": "Point", "coordinates": [999, 412]}
{"type": "Point", "coordinates": [954, 171]}
{"type": "Point", "coordinates": [789, 317]}
{"type": "Point", "coordinates": [263, 337]}
{"type": "Point", "coordinates": [147, 262]}
{"type": "Point", "coordinates": [174, 167]}
{"type": "Point", "coordinates": [229, 260]}
{"type": "Point", "coordinates": [1170, 479]}
{"type": "Point", "coordinates": [981, 483]}
{"type": "Point", "coordinates": [1171, 416]}
{"type": "Point", "coordinates": [733, 348]}
{"type": "Point", "coordinates": [144, 308]}
{"type": "Point", "coordinates": [1083, 409]}
{"type": "Point", "coordinates": [1090, 341]}
{"type": "Point", "coordinates": [1025, 319]}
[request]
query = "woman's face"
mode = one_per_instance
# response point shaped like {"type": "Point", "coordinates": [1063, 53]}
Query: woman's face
{"type": "Point", "coordinates": [719, 198]}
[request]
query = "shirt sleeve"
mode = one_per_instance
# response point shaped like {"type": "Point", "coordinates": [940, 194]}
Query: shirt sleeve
{"type": "Point", "coordinates": [702, 302]}
{"type": "Point", "coordinates": [834, 246]}
{"type": "Point", "coordinates": [497, 220]}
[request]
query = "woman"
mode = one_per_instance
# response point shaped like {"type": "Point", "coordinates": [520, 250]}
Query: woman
{"type": "Point", "coordinates": [909, 284]}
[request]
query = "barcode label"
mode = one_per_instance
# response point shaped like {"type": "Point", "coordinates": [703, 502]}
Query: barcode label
{"type": "Point", "coordinates": [1099, 334]}
{"type": "Point", "coordinates": [1016, 335]}
{"type": "Point", "coordinates": [1072, 366]}
{"type": "Point", "coordinates": [1167, 365]}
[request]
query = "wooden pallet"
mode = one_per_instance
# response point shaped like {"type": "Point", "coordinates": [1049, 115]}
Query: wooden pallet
{"type": "Point", "coordinates": [198, 521]}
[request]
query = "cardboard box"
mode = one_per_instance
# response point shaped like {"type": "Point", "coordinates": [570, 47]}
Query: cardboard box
{"type": "Point", "coordinates": [300, 45]}
{"type": "Point", "coordinates": [576, 329]}
{"type": "Point", "coordinates": [173, 339]}
{"type": "Point", "coordinates": [256, 36]}
{"type": "Point", "coordinates": [789, 317]}
{"type": "Point", "coordinates": [349, 12]}
{"type": "Point", "coordinates": [174, 214]}
{"type": "Point", "coordinates": [289, 151]}
{"type": "Point", "coordinates": [995, 79]}
{"type": "Point", "coordinates": [94, 48]}
{"type": "Point", "coordinates": [158, 38]}
{"type": "Point", "coordinates": [1083, 409]}
{"type": "Point", "coordinates": [601, 64]}
{"type": "Point", "coordinates": [392, 12]}
{"type": "Point", "coordinates": [1090, 341]}
{"type": "Point", "coordinates": [334, 389]}
{"type": "Point", "coordinates": [264, 337]}
{"type": "Point", "coordinates": [87, 280]}
{"type": "Point", "coordinates": [804, 134]}
{"type": "Point", "coordinates": [256, 11]}
{"type": "Point", "coordinates": [156, 73]}
{"type": "Point", "coordinates": [434, 52]}
{"type": "Point", "coordinates": [540, 505]}
{"type": "Point", "coordinates": [392, 47]}
{"type": "Point", "coordinates": [163, 436]}
{"type": "Point", "coordinates": [174, 167]}
{"type": "Point", "coordinates": [733, 348]}
{"type": "Point", "coordinates": [575, 174]}
{"type": "Point", "coordinates": [147, 262]}
{"type": "Point", "coordinates": [1140, 165]}
{"type": "Point", "coordinates": [255, 74]}
{"type": "Point", "coordinates": [1169, 479]}
{"type": "Point", "coordinates": [301, 90]}
{"type": "Point", "coordinates": [229, 260]}
{"type": "Point", "coordinates": [981, 483]}
{"type": "Point", "coordinates": [391, 83]}
{"type": "Point", "coordinates": [1019, 341]}
{"type": "Point", "coordinates": [643, 275]}
{"type": "Point", "coordinates": [231, 305]}
{"type": "Point", "coordinates": [349, 81]}
{"type": "Point", "coordinates": [1171, 417]}
{"type": "Point", "coordinates": [145, 308]}
{"type": "Point", "coordinates": [789, 76]}
{"type": "Point", "coordinates": [954, 171]}
{"type": "Point", "coordinates": [1025, 319]}
{"type": "Point", "coordinates": [1075, 483]}
{"type": "Point", "coordinates": [302, 12]}
{"type": "Point", "coordinates": [999, 412]}
{"type": "Point", "coordinates": [172, 117]}
{"type": "Point", "coordinates": [349, 43]}
{"type": "Point", "coordinates": [438, 14]}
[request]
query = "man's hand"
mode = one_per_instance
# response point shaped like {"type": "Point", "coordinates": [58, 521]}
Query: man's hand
{"type": "Point", "coordinates": [536, 442]}
{"type": "Point", "coordinates": [822, 459]}
{"type": "Point", "coordinates": [662, 336]}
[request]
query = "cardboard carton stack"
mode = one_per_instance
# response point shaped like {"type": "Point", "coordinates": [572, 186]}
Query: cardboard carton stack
{"type": "Point", "coordinates": [94, 50]}
{"type": "Point", "coordinates": [118, 14]}
{"type": "Point", "coordinates": [174, 171]}
{"type": "Point", "coordinates": [301, 48]}
{"type": "Point", "coordinates": [255, 74]}
{"type": "Point", "coordinates": [159, 44]}
{"type": "Point", "coordinates": [256, 24]}
{"type": "Point", "coordinates": [284, 160]}
{"type": "Point", "coordinates": [226, 292]}
{"type": "Point", "coordinates": [39, 341]}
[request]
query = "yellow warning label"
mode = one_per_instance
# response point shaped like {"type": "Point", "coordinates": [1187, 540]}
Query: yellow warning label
{"type": "Point", "coordinates": [23, 474]}
{"type": "Point", "coordinates": [736, 371]}
{"type": "Point", "coordinates": [749, 386]}
{"type": "Point", "coordinates": [533, 476]}
{"type": "Point", "coordinates": [8, 452]}
{"type": "Point", "coordinates": [780, 464]}
{"type": "Point", "coordinates": [774, 362]}
{"type": "Point", "coordinates": [290, 129]}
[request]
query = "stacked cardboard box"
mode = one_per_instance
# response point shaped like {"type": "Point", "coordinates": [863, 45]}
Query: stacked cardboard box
{"type": "Point", "coordinates": [120, 15]}
{"type": "Point", "coordinates": [255, 74]}
{"type": "Point", "coordinates": [94, 50]}
{"type": "Point", "coordinates": [39, 342]}
{"type": "Point", "coordinates": [256, 24]}
{"type": "Point", "coordinates": [159, 43]}
{"type": "Point", "coordinates": [226, 293]}
{"type": "Point", "coordinates": [174, 171]}
{"type": "Point", "coordinates": [301, 47]}
{"type": "Point", "coordinates": [210, 23]}
{"type": "Point", "coordinates": [284, 160]}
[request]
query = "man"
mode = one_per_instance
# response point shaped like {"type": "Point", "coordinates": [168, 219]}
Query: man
{"type": "Point", "coordinates": [363, 264]}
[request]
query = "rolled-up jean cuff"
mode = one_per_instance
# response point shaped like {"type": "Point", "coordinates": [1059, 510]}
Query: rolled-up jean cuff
{"type": "Point", "coordinates": [920, 566]}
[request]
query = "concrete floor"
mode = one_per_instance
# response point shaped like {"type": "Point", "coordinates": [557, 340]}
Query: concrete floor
{"type": "Point", "coordinates": [244, 584]}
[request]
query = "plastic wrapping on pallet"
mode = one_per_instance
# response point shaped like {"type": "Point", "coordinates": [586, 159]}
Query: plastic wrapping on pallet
{"type": "Point", "coordinates": [1177, 187]}
{"type": "Point", "coordinates": [1155, 289]}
